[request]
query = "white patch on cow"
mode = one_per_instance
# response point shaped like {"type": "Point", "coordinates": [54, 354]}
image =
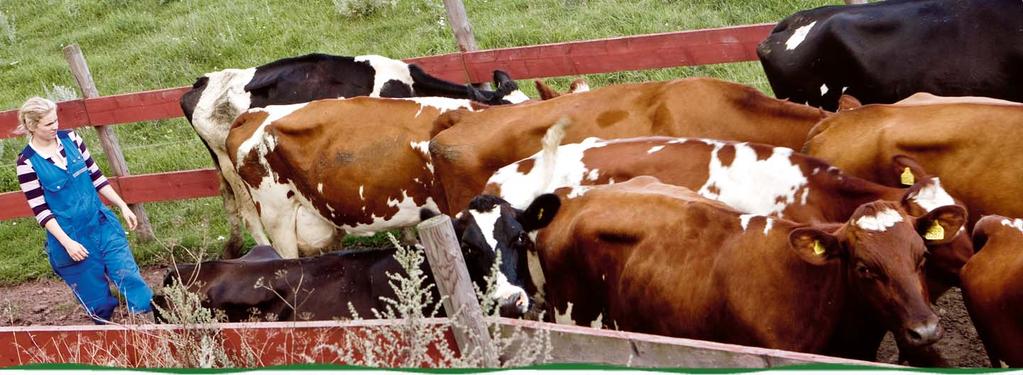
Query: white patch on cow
{"type": "Point", "coordinates": [744, 220]}
{"type": "Point", "coordinates": [260, 139]}
{"type": "Point", "coordinates": [487, 221]}
{"type": "Point", "coordinates": [778, 180]}
{"type": "Point", "coordinates": [654, 149]}
{"type": "Point", "coordinates": [581, 87]}
{"type": "Point", "coordinates": [678, 141]}
{"type": "Point", "coordinates": [593, 175]}
{"type": "Point", "coordinates": [565, 316]}
{"type": "Point", "coordinates": [880, 222]}
{"type": "Point", "coordinates": [824, 89]}
{"type": "Point", "coordinates": [319, 187]}
{"type": "Point", "coordinates": [386, 70]}
{"type": "Point", "coordinates": [516, 97]}
{"type": "Point", "coordinates": [520, 189]}
{"type": "Point", "coordinates": [407, 215]}
{"type": "Point", "coordinates": [815, 170]}
{"type": "Point", "coordinates": [932, 196]}
{"type": "Point", "coordinates": [362, 190]}
{"type": "Point", "coordinates": [806, 194]}
{"type": "Point", "coordinates": [798, 36]}
{"type": "Point", "coordinates": [424, 149]}
{"type": "Point", "coordinates": [441, 104]}
{"type": "Point", "coordinates": [768, 223]}
{"type": "Point", "coordinates": [536, 271]}
{"type": "Point", "coordinates": [1014, 223]}
{"type": "Point", "coordinates": [506, 291]}
{"type": "Point", "coordinates": [844, 88]}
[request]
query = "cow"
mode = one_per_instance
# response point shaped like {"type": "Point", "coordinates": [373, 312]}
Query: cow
{"type": "Point", "coordinates": [964, 143]}
{"type": "Point", "coordinates": [753, 178]}
{"type": "Point", "coordinates": [217, 98]}
{"type": "Point", "coordinates": [467, 147]}
{"type": "Point", "coordinates": [630, 254]}
{"type": "Point", "coordinates": [267, 287]}
{"type": "Point", "coordinates": [885, 51]}
{"type": "Point", "coordinates": [993, 288]}
{"type": "Point", "coordinates": [318, 170]}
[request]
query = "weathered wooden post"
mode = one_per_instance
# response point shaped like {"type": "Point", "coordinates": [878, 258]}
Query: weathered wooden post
{"type": "Point", "coordinates": [463, 31]}
{"type": "Point", "coordinates": [445, 256]}
{"type": "Point", "coordinates": [107, 137]}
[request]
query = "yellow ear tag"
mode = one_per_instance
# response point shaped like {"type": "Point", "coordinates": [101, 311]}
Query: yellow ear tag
{"type": "Point", "coordinates": [539, 216]}
{"type": "Point", "coordinates": [818, 249]}
{"type": "Point", "coordinates": [935, 232]}
{"type": "Point", "coordinates": [907, 177]}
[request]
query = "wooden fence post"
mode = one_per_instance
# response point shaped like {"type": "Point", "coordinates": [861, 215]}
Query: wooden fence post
{"type": "Point", "coordinates": [463, 32]}
{"type": "Point", "coordinates": [445, 256]}
{"type": "Point", "coordinates": [107, 137]}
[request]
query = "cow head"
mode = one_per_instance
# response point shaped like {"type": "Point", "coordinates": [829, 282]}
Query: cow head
{"type": "Point", "coordinates": [924, 193]}
{"type": "Point", "coordinates": [881, 252]}
{"type": "Point", "coordinates": [490, 226]}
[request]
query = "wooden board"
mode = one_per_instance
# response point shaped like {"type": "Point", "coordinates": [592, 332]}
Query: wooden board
{"type": "Point", "coordinates": [157, 187]}
{"type": "Point", "coordinates": [135, 107]}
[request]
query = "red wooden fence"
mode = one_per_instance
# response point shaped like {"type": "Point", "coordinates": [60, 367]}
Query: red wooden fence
{"type": "Point", "coordinates": [651, 51]}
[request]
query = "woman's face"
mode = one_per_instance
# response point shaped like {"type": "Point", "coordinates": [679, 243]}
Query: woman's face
{"type": "Point", "coordinates": [47, 126]}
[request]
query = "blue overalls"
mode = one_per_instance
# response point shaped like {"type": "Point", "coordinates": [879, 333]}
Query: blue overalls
{"type": "Point", "coordinates": [77, 208]}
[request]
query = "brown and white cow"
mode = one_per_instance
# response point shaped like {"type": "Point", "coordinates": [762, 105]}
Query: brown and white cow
{"type": "Point", "coordinates": [648, 257]}
{"type": "Point", "coordinates": [753, 178]}
{"type": "Point", "coordinates": [969, 145]}
{"type": "Point", "coordinates": [470, 146]}
{"type": "Point", "coordinates": [316, 170]}
{"type": "Point", "coordinates": [217, 98]}
{"type": "Point", "coordinates": [993, 288]}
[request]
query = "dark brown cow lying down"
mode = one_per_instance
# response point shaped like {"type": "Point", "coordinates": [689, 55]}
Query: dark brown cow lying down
{"type": "Point", "coordinates": [753, 178]}
{"type": "Point", "coordinates": [993, 288]}
{"type": "Point", "coordinates": [469, 146]}
{"type": "Point", "coordinates": [647, 257]}
{"type": "Point", "coordinates": [311, 288]}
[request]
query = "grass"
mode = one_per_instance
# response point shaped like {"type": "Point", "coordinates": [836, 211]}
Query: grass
{"type": "Point", "coordinates": [142, 45]}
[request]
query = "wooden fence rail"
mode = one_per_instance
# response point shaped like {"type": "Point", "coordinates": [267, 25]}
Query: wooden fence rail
{"type": "Point", "coordinates": [651, 51]}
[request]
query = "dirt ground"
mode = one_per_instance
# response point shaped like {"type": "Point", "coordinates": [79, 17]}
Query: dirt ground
{"type": "Point", "coordinates": [49, 302]}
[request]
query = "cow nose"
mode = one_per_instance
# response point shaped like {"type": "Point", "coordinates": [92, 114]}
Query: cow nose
{"type": "Point", "coordinates": [515, 305]}
{"type": "Point", "coordinates": [924, 333]}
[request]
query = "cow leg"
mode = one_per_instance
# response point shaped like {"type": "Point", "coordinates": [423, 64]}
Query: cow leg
{"type": "Point", "coordinates": [233, 247]}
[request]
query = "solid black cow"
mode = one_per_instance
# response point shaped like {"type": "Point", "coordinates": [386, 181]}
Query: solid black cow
{"type": "Point", "coordinates": [886, 51]}
{"type": "Point", "coordinates": [319, 287]}
{"type": "Point", "coordinates": [217, 98]}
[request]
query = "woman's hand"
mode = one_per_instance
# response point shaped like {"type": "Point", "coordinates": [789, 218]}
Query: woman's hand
{"type": "Point", "coordinates": [75, 250]}
{"type": "Point", "coordinates": [129, 217]}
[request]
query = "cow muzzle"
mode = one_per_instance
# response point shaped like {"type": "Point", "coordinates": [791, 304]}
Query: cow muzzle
{"type": "Point", "coordinates": [923, 333]}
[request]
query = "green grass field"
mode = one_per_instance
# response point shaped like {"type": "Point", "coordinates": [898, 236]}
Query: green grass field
{"type": "Point", "coordinates": [141, 45]}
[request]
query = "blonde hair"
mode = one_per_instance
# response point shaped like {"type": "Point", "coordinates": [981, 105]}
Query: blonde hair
{"type": "Point", "coordinates": [31, 112]}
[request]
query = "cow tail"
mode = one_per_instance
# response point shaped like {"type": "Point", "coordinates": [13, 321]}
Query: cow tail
{"type": "Point", "coordinates": [551, 141]}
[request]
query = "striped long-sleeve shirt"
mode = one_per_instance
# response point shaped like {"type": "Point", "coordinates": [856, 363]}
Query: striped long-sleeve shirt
{"type": "Point", "coordinates": [29, 181]}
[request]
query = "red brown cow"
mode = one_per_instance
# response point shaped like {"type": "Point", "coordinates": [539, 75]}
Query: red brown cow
{"type": "Point", "coordinates": [753, 178]}
{"type": "Point", "coordinates": [993, 288]}
{"type": "Point", "coordinates": [968, 144]}
{"type": "Point", "coordinates": [648, 257]}
{"type": "Point", "coordinates": [470, 146]}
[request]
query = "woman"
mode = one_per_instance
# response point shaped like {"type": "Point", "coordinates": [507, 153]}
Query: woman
{"type": "Point", "coordinates": [85, 243]}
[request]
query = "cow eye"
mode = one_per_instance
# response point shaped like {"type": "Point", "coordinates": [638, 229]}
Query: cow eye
{"type": "Point", "coordinates": [863, 270]}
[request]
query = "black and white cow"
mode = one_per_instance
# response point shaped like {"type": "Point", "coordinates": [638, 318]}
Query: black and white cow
{"type": "Point", "coordinates": [886, 51]}
{"type": "Point", "coordinates": [217, 98]}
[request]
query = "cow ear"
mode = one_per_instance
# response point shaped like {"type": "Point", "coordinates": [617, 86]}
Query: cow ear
{"type": "Point", "coordinates": [814, 246]}
{"type": "Point", "coordinates": [546, 92]}
{"type": "Point", "coordinates": [847, 102]}
{"type": "Point", "coordinates": [539, 213]}
{"type": "Point", "coordinates": [907, 170]}
{"type": "Point", "coordinates": [941, 224]}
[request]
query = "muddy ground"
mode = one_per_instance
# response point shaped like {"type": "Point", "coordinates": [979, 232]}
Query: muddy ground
{"type": "Point", "coordinates": [49, 302]}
